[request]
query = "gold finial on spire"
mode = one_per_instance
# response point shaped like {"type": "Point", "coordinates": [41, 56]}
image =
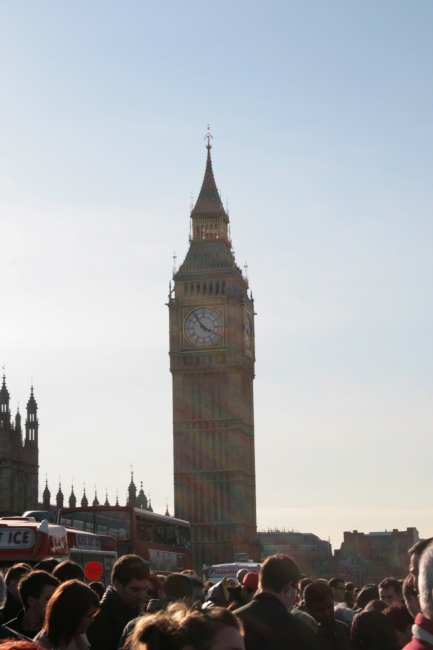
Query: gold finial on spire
{"type": "Point", "coordinates": [208, 137]}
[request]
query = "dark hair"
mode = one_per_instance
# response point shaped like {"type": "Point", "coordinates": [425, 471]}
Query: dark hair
{"type": "Point", "coordinates": [48, 564]}
{"type": "Point", "coordinates": [365, 595]}
{"type": "Point", "coordinates": [391, 582]}
{"type": "Point", "coordinates": [178, 586]}
{"type": "Point", "coordinates": [69, 570]}
{"type": "Point", "coordinates": [16, 572]}
{"type": "Point", "coordinates": [350, 587]}
{"type": "Point", "coordinates": [316, 592]}
{"type": "Point", "coordinates": [420, 547]}
{"type": "Point", "coordinates": [98, 588]}
{"type": "Point", "coordinates": [33, 585]}
{"type": "Point", "coordinates": [409, 590]}
{"type": "Point", "coordinates": [304, 582]}
{"type": "Point", "coordinates": [376, 605]}
{"type": "Point", "coordinates": [373, 631]}
{"type": "Point", "coordinates": [65, 610]}
{"type": "Point", "coordinates": [130, 567]}
{"type": "Point", "coordinates": [177, 626]}
{"type": "Point", "coordinates": [278, 570]}
{"type": "Point", "coordinates": [399, 616]}
{"type": "Point", "coordinates": [334, 582]}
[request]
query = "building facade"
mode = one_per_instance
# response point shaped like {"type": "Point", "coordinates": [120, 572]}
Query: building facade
{"type": "Point", "coordinates": [19, 457]}
{"type": "Point", "coordinates": [212, 359]}
{"type": "Point", "coordinates": [312, 554]}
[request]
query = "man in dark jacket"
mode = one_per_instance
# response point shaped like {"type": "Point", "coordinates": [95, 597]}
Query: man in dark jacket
{"type": "Point", "coordinates": [35, 589]}
{"type": "Point", "coordinates": [122, 602]}
{"type": "Point", "coordinates": [267, 620]}
{"type": "Point", "coordinates": [319, 603]}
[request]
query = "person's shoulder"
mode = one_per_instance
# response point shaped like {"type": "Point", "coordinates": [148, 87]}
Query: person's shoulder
{"type": "Point", "coordinates": [341, 625]}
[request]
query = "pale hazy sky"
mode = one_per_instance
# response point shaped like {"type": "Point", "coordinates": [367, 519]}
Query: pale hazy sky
{"type": "Point", "coordinates": [321, 113]}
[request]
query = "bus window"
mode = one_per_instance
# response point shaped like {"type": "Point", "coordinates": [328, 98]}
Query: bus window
{"type": "Point", "coordinates": [79, 520]}
{"type": "Point", "coordinates": [117, 524]}
{"type": "Point", "coordinates": [178, 532]}
{"type": "Point", "coordinates": [187, 537]}
{"type": "Point", "coordinates": [169, 534]}
{"type": "Point", "coordinates": [160, 534]}
{"type": "Point", "coordinates": [145, 529]}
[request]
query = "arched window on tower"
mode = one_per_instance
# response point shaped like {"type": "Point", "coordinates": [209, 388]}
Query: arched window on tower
{"type": "Point", "coordinates": [185, 288]}
{"type": "Point", "coordinates": [191, 288]}
{"type": "Point", "coordinates": [204, 288]}
{"type": "Point", "coordinates": [210, 288]}
{"type": "Point", "coordinates": [217, 287]}
{"type": "Point", "coordinates": [198, 288]}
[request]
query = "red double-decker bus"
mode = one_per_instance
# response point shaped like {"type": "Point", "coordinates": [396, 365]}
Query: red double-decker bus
{"type": "Point", "coordinates": [165, 542]}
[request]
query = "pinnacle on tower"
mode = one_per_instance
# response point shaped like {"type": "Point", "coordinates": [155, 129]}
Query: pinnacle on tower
{"type": "Point", "coordinates": [132, 492]}
{"type": "Point", "coordinates": [167, 514]}
{"type": "Point", "coordinates": [142, 499]}
{"type": "Point", "coordinates": [46, 496]}
{"type": "Point", "coordinates": [59, 497]}
{"type": "Point", "coordinates": [72, 498]}
{"type": "Point", "coordinates": [106, 498]}
{"type": "Point", "coordinates": [209, 200]}
{"type": "Point", "coordinates": [84, 500]}
{"type": "Point", "coordinates": [117, 498]}
{"type": "Point", "coordinates": [4, 397]}
{"type": "Point", "coordinates": [95, 500]}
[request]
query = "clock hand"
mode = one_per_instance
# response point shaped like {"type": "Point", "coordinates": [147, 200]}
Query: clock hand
{"type": "Point", "coordinates": [206, 329]}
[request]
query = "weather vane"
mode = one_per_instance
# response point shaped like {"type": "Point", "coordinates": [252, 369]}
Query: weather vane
{"type": "Point", "coordinates": [208, 137]}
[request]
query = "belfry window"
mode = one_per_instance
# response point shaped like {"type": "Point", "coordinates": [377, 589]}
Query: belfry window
{"type": "Point", "coordinates": [217, 287]}
{"type": "Point", "coordinates": [204, 288]}
{"type": "Point", "coordinates": [191, 288]}
{"type": "Point", "coordinates": [198, 288]}
{"type": "Point", "coordinates": [210, 288]}
{"type": "Point", "coordinates": [185, 289]}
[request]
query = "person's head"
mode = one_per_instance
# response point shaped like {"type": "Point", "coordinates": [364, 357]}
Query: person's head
{"type": "Point", "coordinates": [371, 630]}
{"type": "Point", "coordinates": [376, 605]}
{"type": "Point", "coordinates": [402, 620]}
{"type": "Point", "coordinates": [154, 590]}
{"type": "Point", "coordinates": [250, 584]}
{"type": "Point", "coordinates": [319, 603]}
{"type": "Point", "coordinates": [365, 595]}
{"type": "Point", "coordinates": [178, 628]}
{"type": "Point", "coordinates": [241, 575]}
{"type": "Point", "coordinates": [280, 575]}
{"type": "Point", "coordinates": [190, 573]}
{"type": "Point", "coordinates": [415, 553]}
{"type": "Point", "coordinates": [390, 591]}
{"type": "Point", "coordinates": [36, 589]}
{"type": "Point", "coordinates": [303, 583]}
{"type": "Point", "coordinates": [350, 587]}
{"type": "Point", "coordinates": [130, 578]}
{"type": "Point", "coordinates": [425, 582]}
{"type": "Point", "coordinates": [410, 595]}
{"type": "Point", "coordinates": [16, 644]}
{"type": "Point", "coordinates": [12, 578]}
{"type": "Point", "coordinates": [197, 586]}
{"type": "Point", "coordinates": [68, 570]}
{"type": "Point", "coordinates": [98, 588]}
{"type": "Point", "coordinates": [338, 588]}
{"type": "Point", "coordinates": [48, 565]}
{"type": "Point", "coordinates": [178, 586]}
{"type": "Point", "coordinates": [69, 612]}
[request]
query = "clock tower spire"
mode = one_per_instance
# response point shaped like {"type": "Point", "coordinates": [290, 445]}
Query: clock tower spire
{"type": "Point", "coordinates": [212, 365]}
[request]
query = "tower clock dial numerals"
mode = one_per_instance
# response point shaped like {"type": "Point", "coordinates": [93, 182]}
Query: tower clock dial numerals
{"type": "Point", "coordinates": [248, 332]}
{"type": "Point", "coordinates": [203, 327]}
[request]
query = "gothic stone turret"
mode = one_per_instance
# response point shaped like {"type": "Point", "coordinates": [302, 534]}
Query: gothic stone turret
{"type": "Point", "coordinates": [18, 459]}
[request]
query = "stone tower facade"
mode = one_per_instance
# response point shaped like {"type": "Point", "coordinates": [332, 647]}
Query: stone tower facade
{"type": "Point", "coordinates": [19, 457]}
{"type": "Point", "coordinates": [212, 366]}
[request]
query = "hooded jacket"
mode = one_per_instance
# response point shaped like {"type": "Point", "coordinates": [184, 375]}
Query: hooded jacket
{"type": "Point", "coordinates": [108, 625]}
{"type": "Point", "coordinates": [422, 634]}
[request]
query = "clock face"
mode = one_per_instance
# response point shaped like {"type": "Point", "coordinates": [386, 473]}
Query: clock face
{"type": "Point", "coordinates": [248, 332]}
{"type": "Point", "coordinates": [203, 327]}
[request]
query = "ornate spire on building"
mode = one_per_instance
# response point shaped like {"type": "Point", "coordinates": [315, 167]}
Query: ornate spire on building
{"type": "Point", "coordinates": [32, 424]}
{"type": "Point", "coordinates": [142, 498]}
{"type": "Point", "coordinates": [150, 505]}
{"type": "Point", "coordinates": [117, 497]}
{"type": "Point", "coordinates": [106, 498]}
{"type": "Point", "coordinates": [46, 496]}
{"type": "Point", "coordinates": [95, 500]}
{"type": "Point", "coordinates": [18, 429]}
{"type": "Point", "coordinates": [167, 514]}
{"type": "Point", "coordinates": [4, 397]}
{"type": "Point", "coordinates": [84, 500]}
{"type": "Point", "coordinates": [72, 498]}
{"type": "Point", "coordinates": [132, 492]}
{"type": "Point", "coordinates": [59, 497]}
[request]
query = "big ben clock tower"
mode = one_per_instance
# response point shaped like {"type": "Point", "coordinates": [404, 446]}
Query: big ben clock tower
{"type": "Point", "coordinates": [212, 365]}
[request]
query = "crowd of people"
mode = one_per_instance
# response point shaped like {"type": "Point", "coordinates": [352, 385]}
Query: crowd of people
{"type": "Point", "coordinates": [50, 606]}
